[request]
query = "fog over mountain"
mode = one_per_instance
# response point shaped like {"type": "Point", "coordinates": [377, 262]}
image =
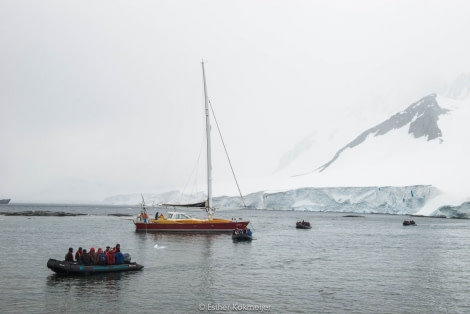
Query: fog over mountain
{"type": "Point", "coordinates": [414, 162]}
{"type": "Point", "coordinates": [103, 98]}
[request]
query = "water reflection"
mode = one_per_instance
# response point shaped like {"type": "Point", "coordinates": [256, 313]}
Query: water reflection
{"type": "Point", "coordinates": [178, 236]}
{"type": "Point", "coordinates": [187, 258]}
{"type": "Point", "coordinates": [98, 289]}
{"type": "Point", "coordinates": [88, 285]}
{"type": "Point", "coordinates": [57, 279]}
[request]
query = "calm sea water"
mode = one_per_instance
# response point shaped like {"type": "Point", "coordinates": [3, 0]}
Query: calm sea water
{"type": "Point", "coordinates": [371, 264]}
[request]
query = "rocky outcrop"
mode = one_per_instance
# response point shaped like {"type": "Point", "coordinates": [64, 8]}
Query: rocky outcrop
{"type": "Point", "coordinates": [40, 213]}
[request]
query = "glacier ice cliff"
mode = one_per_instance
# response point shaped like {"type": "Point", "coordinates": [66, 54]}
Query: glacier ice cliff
{"type": "Point", "coordinates": [424, 200]}
{"type": "Point", "coordinates": [386, 199]}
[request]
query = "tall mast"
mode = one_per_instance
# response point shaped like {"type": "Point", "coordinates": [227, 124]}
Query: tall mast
{"type": "Point", "coordinates": [209, 209]}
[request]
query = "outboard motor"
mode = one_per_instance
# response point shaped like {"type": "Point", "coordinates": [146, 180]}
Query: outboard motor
{"type": "Point", "coordinates": [127, 258]}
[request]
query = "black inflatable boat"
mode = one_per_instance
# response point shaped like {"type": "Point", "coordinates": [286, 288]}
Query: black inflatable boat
{"type": "Point", "coordinates": [73, 268]}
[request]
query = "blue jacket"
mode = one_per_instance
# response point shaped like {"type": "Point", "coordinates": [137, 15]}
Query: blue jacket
{"type": "Point", "coordinates": [119, 257]}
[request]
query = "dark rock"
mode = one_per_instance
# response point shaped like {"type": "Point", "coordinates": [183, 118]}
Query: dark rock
{"type": "Point", "coordinates": [40, 213]}
{"type": "Point", "coordinates": [120, 215]}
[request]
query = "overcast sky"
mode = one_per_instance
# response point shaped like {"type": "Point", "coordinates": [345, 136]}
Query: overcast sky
{"type": "Point", "coordinates": [100, 98]}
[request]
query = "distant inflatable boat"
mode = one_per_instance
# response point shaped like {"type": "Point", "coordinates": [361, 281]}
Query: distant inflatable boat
{"type": "Point", "coordinates": [409, 223]}
{"type": "Point", "coordinates": [242, 234]}
{"type": "Point", "coordinates": [303, 225]}
{"type": "Point", "coordinates": [73, 268]}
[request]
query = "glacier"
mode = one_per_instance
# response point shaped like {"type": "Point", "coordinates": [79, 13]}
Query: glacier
{"type": "Point", "coordinates": [388, 200]}
{"type": "Point", "coordinates": [406, 200]}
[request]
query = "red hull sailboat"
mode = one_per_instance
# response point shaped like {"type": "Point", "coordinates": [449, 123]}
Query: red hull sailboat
{"type": "Point", "coordinates": [181, 222]}
{"type": "Point", "coordinates": [188, 224]}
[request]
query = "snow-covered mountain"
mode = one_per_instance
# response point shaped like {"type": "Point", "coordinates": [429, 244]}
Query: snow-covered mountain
{"type": "Point", "coordinates": [420, 118]}
{"type": "Point", "coordinates": [425, 144]}
{"type": "Point", "coordinates": [414, 162]}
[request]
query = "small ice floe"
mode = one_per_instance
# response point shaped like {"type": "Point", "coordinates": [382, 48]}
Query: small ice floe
{"type": "Point", "coordinates": [158, 247]}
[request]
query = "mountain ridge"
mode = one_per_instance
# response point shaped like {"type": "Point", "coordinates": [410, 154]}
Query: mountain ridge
{"type": "Point", "coordinates": [421, 116]}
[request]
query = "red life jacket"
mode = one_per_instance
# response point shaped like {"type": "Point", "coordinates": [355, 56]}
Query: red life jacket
{"type": "Point", "coordinates": [110, 260]}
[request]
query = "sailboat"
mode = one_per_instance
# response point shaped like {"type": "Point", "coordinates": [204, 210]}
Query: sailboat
{"type": "Point", "coordinates": [176, 221]}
